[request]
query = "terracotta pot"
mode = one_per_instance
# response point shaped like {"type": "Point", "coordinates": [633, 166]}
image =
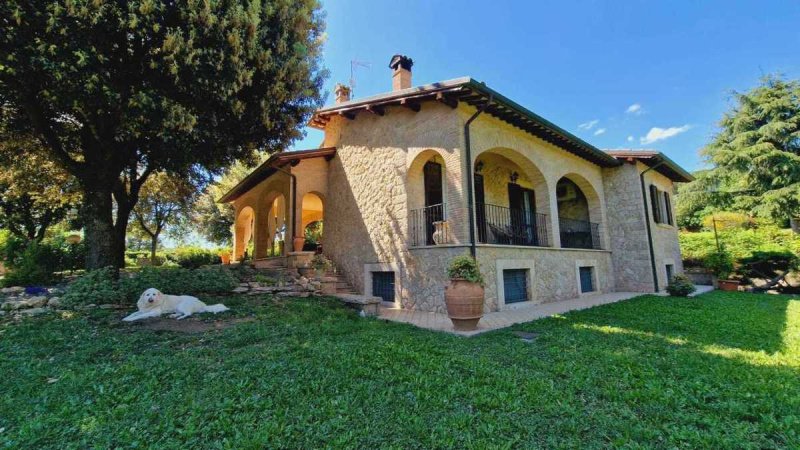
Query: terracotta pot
{"type": "Point", "coordinates": [728, 285]}
{"type": "Point", "coordinates": [464, 301]}
{"type": "Point", "coordinates": [225, 258]}
{"type": "Point", "coordinates": [298, 243]}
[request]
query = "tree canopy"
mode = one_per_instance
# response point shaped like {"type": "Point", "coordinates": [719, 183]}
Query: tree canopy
{"type": "Point", "coordinates": [164, 201]}
{"type": "Point", "coordinates": [35, 193]}
{"type": "Point", "coordinates": [754, 158]}
{"type": "Point", "coordinates": [115, 91]}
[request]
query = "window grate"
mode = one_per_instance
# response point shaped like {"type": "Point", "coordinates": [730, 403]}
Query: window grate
{"type": "Point", "coordinates": [515, 285]}
{"type": "Point", "coordinates": [587, 279]}
{"type": "Point", "coordinates": [383, 285]}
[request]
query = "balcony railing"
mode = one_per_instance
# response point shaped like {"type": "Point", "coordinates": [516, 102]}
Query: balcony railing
{"type": "Point", "coordinates": [579, 234]}
{"type": "Point", "coordinates": [506, 226]}
{"type": "Point", "coordinates": [428, 226]}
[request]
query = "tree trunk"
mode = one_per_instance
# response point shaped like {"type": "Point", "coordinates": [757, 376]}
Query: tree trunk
{"type": "Point", "coordinates": [153, 248]}
{"type": "Point", "coordinates": [101, 238]}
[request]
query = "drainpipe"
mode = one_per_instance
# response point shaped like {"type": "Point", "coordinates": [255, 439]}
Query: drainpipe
{"type": "Point", "coordinates": [647, 222]}
{"type": "Point", "coordinates": [294, 202]}
{"type": "Point", "coordinates": [471, 177]}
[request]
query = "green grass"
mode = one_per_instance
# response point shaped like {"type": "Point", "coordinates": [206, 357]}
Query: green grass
{"type": "Point", "coordinates": [721, 370]}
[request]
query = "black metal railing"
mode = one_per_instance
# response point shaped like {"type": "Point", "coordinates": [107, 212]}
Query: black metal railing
{"type": "Point", "coordinates": [506, 226]}
{"type": "Point", "coordinates": [579, 233]}
{"type": "Point", "coordinates": [428, 226]}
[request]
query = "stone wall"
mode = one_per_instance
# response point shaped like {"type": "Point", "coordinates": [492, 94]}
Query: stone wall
{"type": "Point", "coordinates": [555, 271]}
{"type": "Point", "coordinates": [629, 245]}
{"type": "Point", "coordinates": [665, 237]}
{"type": "Point", "coordinates": [366, 220]}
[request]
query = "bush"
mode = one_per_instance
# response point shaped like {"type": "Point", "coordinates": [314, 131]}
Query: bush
{"type": "Point", "coordinates": [99, 286]}
{"type": "Point", "coordinates": [719, 263]}
{"type": "Point", "coordinates": [680, 286]}
{"type": "Point", "coordinates": [36, 264]}
{"type": "Point", "coordinates": [194, 257]}
{"type": "Point", "coordinates": [465, 268]}
{"type": "Point", "coordinates": [728, 221]}
{"type": "Point", "coordinates": [30, 262]}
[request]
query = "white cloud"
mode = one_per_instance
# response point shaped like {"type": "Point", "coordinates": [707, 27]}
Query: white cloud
{"type": "Point", "coordinates": [657, 134]}
{"type": "Point", "coordinates": [588, 125]}
{"type": "Point", "coordinates": [635, 109]}
{"type": "Point", "coordinates": [599, 131]}
{"type": "Point", "coordinates": [630, 138]}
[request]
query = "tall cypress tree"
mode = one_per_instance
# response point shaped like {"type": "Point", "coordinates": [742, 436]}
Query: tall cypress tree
{"type": "Point", "coordinates": [118, 90]}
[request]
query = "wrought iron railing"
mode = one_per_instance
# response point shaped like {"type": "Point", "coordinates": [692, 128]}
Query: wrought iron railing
{"type": "Point", "coordinates": [506, 226]}
{"type": "Point", "coordinates": [428, 226]}
{"type": "Point", "coordinates": [579, 233]}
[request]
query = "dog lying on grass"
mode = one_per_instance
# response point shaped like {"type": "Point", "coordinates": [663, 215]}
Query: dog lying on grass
{"type": "Point", "coordinates": [153, 303]}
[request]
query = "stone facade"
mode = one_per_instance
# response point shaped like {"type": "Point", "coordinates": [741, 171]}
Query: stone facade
{"type": "Point", "coordinates": [373, 187]}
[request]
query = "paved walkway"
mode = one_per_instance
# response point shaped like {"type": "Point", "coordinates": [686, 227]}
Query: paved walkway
{"type": "Point", "coordinates": [503, 319]}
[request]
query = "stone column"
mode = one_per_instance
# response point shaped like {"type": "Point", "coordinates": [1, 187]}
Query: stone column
{"type": "Point", "coordinates": [555, 234]}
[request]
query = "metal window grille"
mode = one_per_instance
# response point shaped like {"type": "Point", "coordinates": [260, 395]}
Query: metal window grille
{"type": "Point", "coordinates": [383, 285]}
{"type": "Point", "coordinates": [587, 279]}
{"type": "Point", "coordinates": [515, 284]}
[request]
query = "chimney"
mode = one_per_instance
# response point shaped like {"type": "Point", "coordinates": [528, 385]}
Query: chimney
{"type": "Point", "coordinates": [401, 75]}
{"type": "Point", "coordinates": [342, 93]}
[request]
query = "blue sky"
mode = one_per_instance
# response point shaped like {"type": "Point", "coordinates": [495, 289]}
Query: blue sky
{"type": "Point", "coordinates": [578, 62]}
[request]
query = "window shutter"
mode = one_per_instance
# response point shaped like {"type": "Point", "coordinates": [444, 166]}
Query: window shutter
{"type": "Point", "coordinates": [654, 204]}
{"type": "Point", "coordinates": [668, 207]}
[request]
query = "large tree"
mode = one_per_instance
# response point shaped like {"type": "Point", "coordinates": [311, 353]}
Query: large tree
{"type": "Point", "coordinates": [164, 201]}
{"type": "Point", "coordinates": [116, 91]}
{"type": "Point", "coordinates": [34, 192]}
{"type": "Point", "coordinates": [755, 156]}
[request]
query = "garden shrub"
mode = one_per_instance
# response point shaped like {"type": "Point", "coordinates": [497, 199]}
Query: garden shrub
{"type": "Point", "coordinates": [680, 286]}
{"type": "Point", "coordinates": [99, 286]}
{"type": "Point", "coordinates": [31, 263]}
{"type": "Point", "coordinates": [194, 257]}
{"type": "Point", "coordinates": [728, 221]}
{"type": "Point", "coordinates": [719, 263]}
{"type": "Point", "coordinates": [95, 287]}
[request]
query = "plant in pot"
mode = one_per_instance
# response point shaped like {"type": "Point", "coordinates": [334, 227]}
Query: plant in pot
{"type": "Point", "coordinates": [680, 286]}
{"type": "Point", "coordinates": [320, 264]}
{"type": "Point", "coordinates": [225, 256]}
{"type": "Point", "coordinates": [464, 295]}
{"type": "Point", "coordinates": [720, 263]}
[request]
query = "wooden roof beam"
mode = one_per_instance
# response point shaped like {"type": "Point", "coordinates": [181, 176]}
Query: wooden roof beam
{"type": "Point", "coordinates": [412, 105]}
{"type": "Point", "coordinates": [377, 110]}
{"type": "Point", "coordinates": [447, 100]}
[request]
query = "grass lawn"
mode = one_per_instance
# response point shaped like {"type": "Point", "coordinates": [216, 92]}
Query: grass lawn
{"type": "Point", "coordinates": [721, 370]}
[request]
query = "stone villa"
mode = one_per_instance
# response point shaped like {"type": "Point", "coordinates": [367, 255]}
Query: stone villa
{"type": "Point", "coordinates": [407, 180]}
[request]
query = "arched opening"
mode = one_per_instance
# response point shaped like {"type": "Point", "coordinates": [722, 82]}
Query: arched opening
{"type": "Point", "coordinates": [311, 222]}
{"type": "Point", "coordinates": [243, 234]}
{"type": "Point", "coordinates": [276, 227]}
{"type": "Point", "coordinates": [511, 200]}
{"type": "Point", "coordinates": [578, 213]}
{"type": "Point", "coordinates": [427, 200]}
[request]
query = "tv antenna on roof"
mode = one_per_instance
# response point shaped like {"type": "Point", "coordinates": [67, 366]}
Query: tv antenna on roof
{"type": "Point", "coordinates": [354, 64]}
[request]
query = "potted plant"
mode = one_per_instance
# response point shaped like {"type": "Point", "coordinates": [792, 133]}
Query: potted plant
{"type": "Point", "coordinates": [680, 286]}
{"type": "Point", "coordinates": [320, 264]}
{"type": "Point", "coordinates": [225, 256]}
{"type": "Point", "coordinates": [720, 263]}
{"type": "Point", "coordinates": [464, 295]}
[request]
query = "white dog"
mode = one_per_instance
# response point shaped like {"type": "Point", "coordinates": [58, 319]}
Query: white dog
{"type": "Point", "coordinates": [153, 303]}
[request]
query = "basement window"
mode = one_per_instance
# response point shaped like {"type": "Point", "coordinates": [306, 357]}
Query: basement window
{"type": "Point", "coordinates": [587, 279]}
{"type": "Point", "coordinates": [515, 285]}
